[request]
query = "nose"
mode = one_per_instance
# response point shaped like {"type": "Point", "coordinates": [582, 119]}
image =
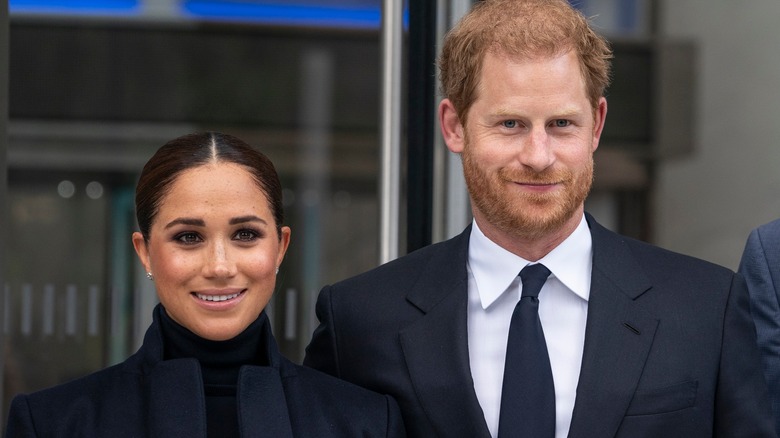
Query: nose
{"type": "Point", "coordinates": [537, 152]}
{"type": "Point", "coordinates": [219, 263]}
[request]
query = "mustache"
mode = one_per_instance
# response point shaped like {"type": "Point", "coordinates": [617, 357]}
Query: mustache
{"type": "Point", "coordinates": [547, 176]}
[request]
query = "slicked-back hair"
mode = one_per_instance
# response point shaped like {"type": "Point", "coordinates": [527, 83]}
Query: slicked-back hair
{"type": "Point", "coordinates": [519, 29]}
{"type": "Point", "coordinates": [195, 150]}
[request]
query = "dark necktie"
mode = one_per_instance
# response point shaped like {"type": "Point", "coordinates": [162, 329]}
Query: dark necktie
{"type": "Point", "coordinates": [528, 394]}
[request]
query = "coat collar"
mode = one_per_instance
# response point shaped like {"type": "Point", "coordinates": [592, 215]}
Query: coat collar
{"type": "Point", "coordinates": [176, 401]}
{"type": "Point", "coordinates": [151, 352]}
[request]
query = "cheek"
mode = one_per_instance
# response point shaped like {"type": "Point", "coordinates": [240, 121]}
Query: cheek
{"type": "Point", "coordinates": [260, 264]}
{"type": "Point", "coordinates": [581, 160]}
{"type": "Point", "coordinates": [575, 154]}
{"type": "Point", "coordinates": [174, 266]}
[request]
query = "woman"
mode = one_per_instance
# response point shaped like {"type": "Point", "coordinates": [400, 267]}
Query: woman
{"type": "Point", "coordinates": [209, 211]}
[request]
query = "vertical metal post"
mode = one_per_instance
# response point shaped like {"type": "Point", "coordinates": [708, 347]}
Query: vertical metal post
{"type": "Point", "coordinates": [318, 71]}
{"type": "Point", "coordinates": [4, 32]}
{"type": "Point", "coordinates": [452, 210]}
{"type": "Point", "coordinates": [390, 129]}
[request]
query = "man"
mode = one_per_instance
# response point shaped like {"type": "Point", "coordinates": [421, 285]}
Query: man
{"type": "Point", "coordinates": [637, 341]}
{"type": "Point", "coordinates": [760, 266]}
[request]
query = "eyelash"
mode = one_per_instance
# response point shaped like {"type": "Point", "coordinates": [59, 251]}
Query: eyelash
{"type": "Point", "coordinates": [187, 238]}
{"type": "Point", "coordinates": [254, 234]}
{"type": "Point", "coordinates": [193, 238]}
{"type": "Point", "coordinates": [554, 123]}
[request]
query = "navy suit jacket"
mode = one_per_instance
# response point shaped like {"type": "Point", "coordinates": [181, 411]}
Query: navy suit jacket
{"type": "Point", "coordinates": [146, 396]}
{"type": "Point", "coordinates": [670, 350]}
{"type": "Point", "coordinates": [760, 266]}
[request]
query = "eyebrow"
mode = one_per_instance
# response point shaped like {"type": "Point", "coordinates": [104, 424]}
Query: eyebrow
{"type": "Point", "coordinates": [185, 221]}
{"type": "Point", "coordinates": [564, 112]}
{"type": "Point", "coordinates": [244, 219]}
{"type": "Point", "coordinates": [201, 223]}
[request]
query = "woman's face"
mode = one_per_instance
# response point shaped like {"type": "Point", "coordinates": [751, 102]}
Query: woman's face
{"type": "Point", "coordinates": [213, 250]}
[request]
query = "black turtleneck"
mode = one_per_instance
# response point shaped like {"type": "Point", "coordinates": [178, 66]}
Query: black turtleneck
{"type": "Point", "coordinates": [220, 362]}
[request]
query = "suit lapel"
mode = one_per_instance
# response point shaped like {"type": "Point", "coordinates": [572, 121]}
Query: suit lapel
{"type": "Point", "coordinates": [618, 337]}
{"type": "Point", "coordinates": [436, 346]}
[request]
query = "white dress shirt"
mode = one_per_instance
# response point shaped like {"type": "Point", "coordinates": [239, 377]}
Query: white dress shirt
{"type": "Point", "coordinates": [494, 289]}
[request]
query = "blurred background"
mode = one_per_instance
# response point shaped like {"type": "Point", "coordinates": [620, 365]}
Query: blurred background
{"type": "Point", "coordinates": [89, 89]}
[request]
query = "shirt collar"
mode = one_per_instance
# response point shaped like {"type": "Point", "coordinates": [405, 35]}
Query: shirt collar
{"type": "Point", "coordinates": [494, 268]}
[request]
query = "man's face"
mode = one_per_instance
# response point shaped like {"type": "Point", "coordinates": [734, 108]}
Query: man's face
{"type": "Point", "coordinates": [528, 145]}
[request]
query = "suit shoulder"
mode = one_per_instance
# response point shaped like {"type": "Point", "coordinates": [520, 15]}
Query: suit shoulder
{"type": "Point", "coordinates": [770, 231]}
{"type": "Point", "coordinates": [666, 261]}
{"type": "Point", "coordinates": [405, 270]}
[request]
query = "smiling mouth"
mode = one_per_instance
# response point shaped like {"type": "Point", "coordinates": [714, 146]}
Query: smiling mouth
{"type": "Point", "coordinates": [217, 297]}
{"type": "Point", "coordinates": [536, 184]}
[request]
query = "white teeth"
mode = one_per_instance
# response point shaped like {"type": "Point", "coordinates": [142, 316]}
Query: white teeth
{"type": "Point", "coordinates": [216, 297]}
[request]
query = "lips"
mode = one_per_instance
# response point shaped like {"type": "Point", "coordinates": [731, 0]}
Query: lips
{"type": "Point", "coordinates": [536, 184]}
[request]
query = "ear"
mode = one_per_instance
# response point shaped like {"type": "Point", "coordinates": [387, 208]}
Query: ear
{"type": "Point", "coordinates": [139, 243]}
{"type": "Point", "coordinates": [599, 118]}
{"type": "Point", "coordinates": [451, 128]}
{"type": "Point", "coordinates": [284, 242]}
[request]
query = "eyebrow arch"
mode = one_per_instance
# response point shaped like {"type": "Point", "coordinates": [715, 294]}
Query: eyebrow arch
{"type": "Point", "coordinates": [562, 114]}
{"type": "Point", "coordinates": [244, 219]}
{"type": "Point", "coordinates": [200, 223]}
{"type": "Point", "coordinates": [186, 221]}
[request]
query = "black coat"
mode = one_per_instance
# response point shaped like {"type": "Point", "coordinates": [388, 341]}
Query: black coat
{"type": "Point", "coordinates": [146, 396]}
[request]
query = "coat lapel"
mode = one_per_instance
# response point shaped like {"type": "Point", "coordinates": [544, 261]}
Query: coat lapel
{"type": "Point", "coordinates": [618, 337]}
{"type": "Point", "coordinates": [436, 346]}
{"type": "Point", "coordinates": [262, 404]}
{"type": "Point", "coordinates": [176, 409]}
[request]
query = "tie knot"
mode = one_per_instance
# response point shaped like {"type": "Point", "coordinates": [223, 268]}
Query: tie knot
{"type": "Point", "coordinates": [533, 278]}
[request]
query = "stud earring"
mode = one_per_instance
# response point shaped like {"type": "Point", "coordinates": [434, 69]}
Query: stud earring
{"type": "Point", "coordinates": [149, 276]}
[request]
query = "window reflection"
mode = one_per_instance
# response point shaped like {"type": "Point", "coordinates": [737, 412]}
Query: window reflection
{"type": "Point", "coordinates": [56, 290]}
{"type": "Point", "coordinates": [90, 101]}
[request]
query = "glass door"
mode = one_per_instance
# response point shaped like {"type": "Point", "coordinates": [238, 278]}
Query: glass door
{"type": "Point", "coordinates": [95, 90]}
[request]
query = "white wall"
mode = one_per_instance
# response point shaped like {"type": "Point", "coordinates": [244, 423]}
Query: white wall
{"type": "Point", "coordinates": [707, 203]}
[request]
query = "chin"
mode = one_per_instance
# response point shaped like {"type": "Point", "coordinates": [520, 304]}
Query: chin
{"type": "Point", "coordinates": [221, 333]}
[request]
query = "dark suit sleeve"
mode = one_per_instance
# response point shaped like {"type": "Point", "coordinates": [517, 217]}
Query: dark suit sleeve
{"type": "Point", "coordinates": [765, 311]}
{"type": "Point", "coordinates": [322, 351]}
{"type": "Point", "coordinates": [20, 423]}
{"type": "Point", "coordinates": [741, 405]}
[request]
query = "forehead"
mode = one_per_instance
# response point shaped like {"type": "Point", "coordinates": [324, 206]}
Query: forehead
{"type": "Point", "coordinates": [504, 76]}
{"type": "Point", "coordinates": [207, 188]}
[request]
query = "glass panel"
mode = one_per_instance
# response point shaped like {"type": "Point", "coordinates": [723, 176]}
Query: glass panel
{"type": "Point", "coordinates": [91, 99]}
{"type": "Point", "coordinates": [55, 296]}
{"type": "Point", "coordinates": [619, 18]}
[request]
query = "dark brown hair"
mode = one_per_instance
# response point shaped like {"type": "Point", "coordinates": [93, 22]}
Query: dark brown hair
{"type": "Point", "coordinates": [194, 150]}
{"type": "Point", "coordinates": [519, 29]}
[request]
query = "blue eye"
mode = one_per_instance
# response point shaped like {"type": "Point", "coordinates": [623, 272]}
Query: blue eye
{"type": "Point", "coordinates": [509, 124]}
{"type": "Point", "coordinates": [562, 123]}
